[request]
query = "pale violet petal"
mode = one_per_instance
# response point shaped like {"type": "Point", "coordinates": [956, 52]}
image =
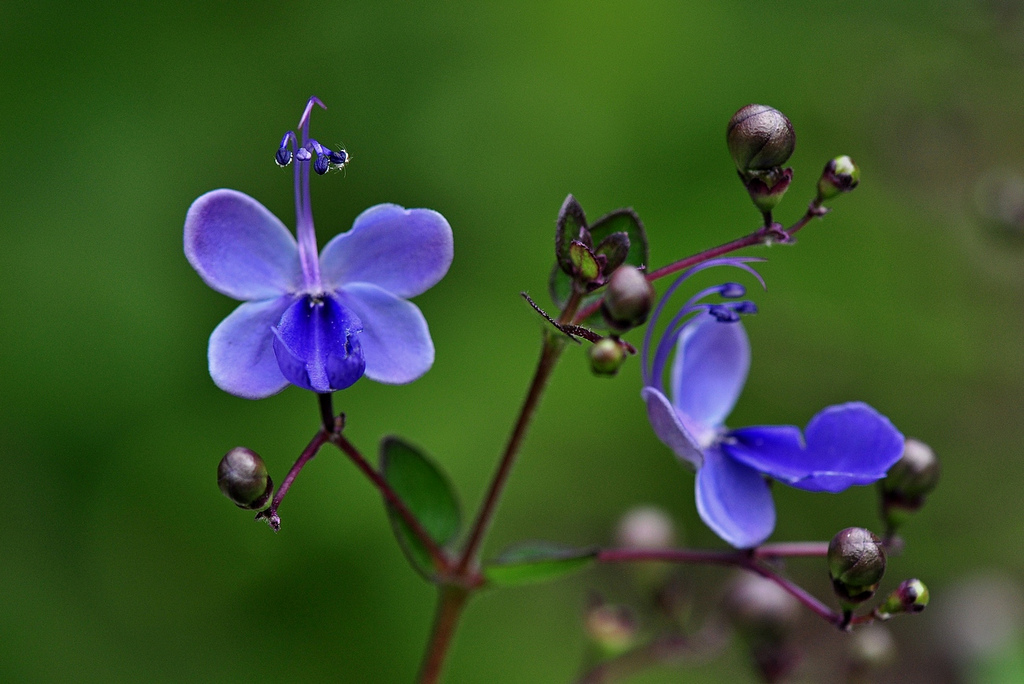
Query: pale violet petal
{"type": "Point", "coordinates": [670, 429]}
{"type": "Point", "coordinates": [395, 339]}
{"type": "Point", "coordinates": [710, 369]}
{"type": "Point", "coordinates": [241, 353]}
{"type": "Point", "coordinates": [403, 251]}
{"type": "Point", "coordinates": [239, 248]}
{"type": "Point", "coordinates": [734, 500]}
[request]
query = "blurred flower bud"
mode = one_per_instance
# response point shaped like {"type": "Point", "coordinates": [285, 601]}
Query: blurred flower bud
{"type": "Point", "coordinates": [840, 175]}
{"type": "Point", "coordinates": [758, 606]}
{"type": "Point", "coordinates": [913, 477]}
{"type": "Point", "coordinates": [628, 299]}
{"type": "Point", "coordinates": [856, 562]}
{"type": "Point", "coordinates": [871, 646]}
{"type": "Point", "coordinates": [645, 527]}
{"type": "Point", "coordinates": [764, 614]}
{"type": "Point", "coordinates": [915, 474]}
{"type": "Point", "coordinates": [760, 138]}
{"type": "Point", "coordinates": [611, 627]}
{"type": "Point", "coordinates": [910, 597]}
{"type": "Point", "coordinates": [606, 357]}
{"type": "Point", "coordinates": [243, 478]}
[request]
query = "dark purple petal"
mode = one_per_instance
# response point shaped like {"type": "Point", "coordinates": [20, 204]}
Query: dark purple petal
{"type": "Point", "coordinates": [849, 444]}
{"type": "Point", "coordinates": [395, 339]}
{"type": "Point", "coordinates": [239, 248]}
{"type": "Point", "coordinates": [670, 429]}
{"type": "Point", "coordinates": [709, 370]}
{"type": "Point", "coordinates": [734, 500]}
{"type": "Point", "coordinates": [404, 251]}
{"type": "Point", "coordinates": [317, 345]}
{"type": "Point", "coordinates": [242, 360]}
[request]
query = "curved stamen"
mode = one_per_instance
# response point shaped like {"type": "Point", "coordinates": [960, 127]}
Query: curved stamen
{"type": "Point", "coordinates": [737, 262]}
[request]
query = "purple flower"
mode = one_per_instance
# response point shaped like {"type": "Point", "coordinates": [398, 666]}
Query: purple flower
{"type": "Point", "coordinates": [319, 322]}
{"type": "Point", "coordinates": [843, 445]}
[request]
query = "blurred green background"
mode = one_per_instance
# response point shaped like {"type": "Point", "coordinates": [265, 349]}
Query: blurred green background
{"type": "Point", "coordinates": [121, 559]}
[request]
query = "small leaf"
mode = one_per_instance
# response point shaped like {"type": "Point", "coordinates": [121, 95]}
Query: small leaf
{"type": "Point", "coordinates": [536, 562]}
{"type": "Point", "coordinates": [624, 221]}
{"type": "Point", "coordinates": [567, 228]}
{"type": "Point", "coordinates": [427, 493]}
{"type": "Point", "coordinates": [614, 248]}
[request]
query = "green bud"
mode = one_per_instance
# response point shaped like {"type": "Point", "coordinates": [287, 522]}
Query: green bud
{"type": "Point", "coordinates": [243, 478]}
{"type": "Point", "coordinates": [606, 357]}
{"type": "Point", "coordinates": [611, 627]}
{"type": "Point", "coordinates": [760, 138]}
{"type": "Point", "coordinates": [628, 299]}
{"type": "Point", "coordinates": [856, 562]}
{"type": "Point", "coordinates": [840, 175]}
{"type": "Point", "coordinates": [910, 597]}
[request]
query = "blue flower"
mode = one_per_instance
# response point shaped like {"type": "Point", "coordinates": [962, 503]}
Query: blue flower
{"type": "Point", "coordinates": [843, 445]}
{"type": "Point", "coordinates": [319, 322]}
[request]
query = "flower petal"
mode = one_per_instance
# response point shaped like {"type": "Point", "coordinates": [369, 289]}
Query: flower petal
{"type": "Point", "coordinates": [241, 353]}
{"type": "Point", "coordinates": [395, 338]}
{"type": "Point", "coordinates": [710, 368]}
{"type": "Point", "coordinates": [734, 500]}
{"type": "Point", "coordinates": [239, 248]}
{"type": "Point", "coordinates": [404, 251]}
{"type": "Point", "coordinates": [317, 346]}
{"type": "Point", "coordinates": [670, 429]}
{"type": "Point", "coordinates": [848, 444]}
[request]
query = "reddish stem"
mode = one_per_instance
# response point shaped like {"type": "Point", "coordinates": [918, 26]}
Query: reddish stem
{"type": "Point", "coordinates": [437, 554]}
{"type": "Point", "coordinates": [760, 236]}
{"type": "Point", "coordinates": [451, 601]}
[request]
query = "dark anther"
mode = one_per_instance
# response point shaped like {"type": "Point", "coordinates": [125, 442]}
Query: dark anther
{"type": "Point", "coordinates": [745, 307]}
{"type": "Point", "coordinates": [723, 314]}
{"type": "Point", "coordinates": [283, 157]}
{"type": "Point", "coordinates": [322, 165]}
{"type": "Point", "coordinates": [732, 290]}
{"type": "Point", "coordinates": [339, 158]}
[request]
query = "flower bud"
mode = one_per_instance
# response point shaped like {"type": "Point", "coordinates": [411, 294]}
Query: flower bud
{"type": "Point", "coordinates": [606, 357]}
{"type": "Point", "coordinates": [916, 474]}
{"type": "Point", "coordinates": [645, 527]}
{"type": "Point", "coordinates": [910, 597]}
{"type": "Point", "coordinates": [856, 562]}
{"type": "Point", "coordinates": [760, 138]}
{"type": "Point", "coordinates": [758, 606]}
{"type": "Point", "coordinates": [611, 627]}
{"type": "Point", "coordinates": [840, 175]}
{"type": "Point", "coordinates": [243, 478]}
{"type": "Point", "coordinates": [628, 299]}
{"type": "Point", "coordinates": [909, 481]}
{"type": "Point", "coordinates": [871, 646]}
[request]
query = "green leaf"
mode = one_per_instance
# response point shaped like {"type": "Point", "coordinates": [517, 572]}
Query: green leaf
{"type": "Point", "coordinates": [567, 228]}
{"type": "Point", "coordinates": [536, 562]}
{"type": "Point", "coordinates": [429, 496]}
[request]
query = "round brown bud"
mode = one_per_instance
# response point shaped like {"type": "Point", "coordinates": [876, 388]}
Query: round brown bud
{"type": "Point", "coordinates": [760, 138]}
{"type": "Point", "coordinates": [627, 300]}
{"type": "Point", "coordinates": [243, 478]}
{"type": "Point", "coordinates": [856, 561]}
